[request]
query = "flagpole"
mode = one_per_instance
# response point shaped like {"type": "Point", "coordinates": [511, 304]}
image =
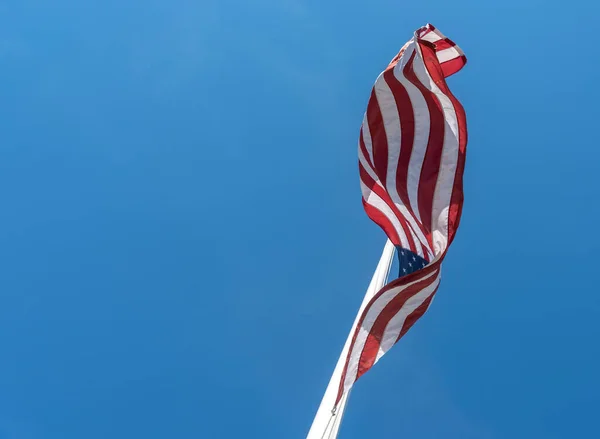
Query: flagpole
{"type": "Point", "coordinates": [327, 422]}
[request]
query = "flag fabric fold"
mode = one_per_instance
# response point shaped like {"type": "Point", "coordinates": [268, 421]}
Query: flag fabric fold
{"type": "Point", "coordinates": [412, 148]}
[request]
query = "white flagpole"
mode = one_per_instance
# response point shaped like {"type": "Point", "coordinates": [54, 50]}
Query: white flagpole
{"type": "Point", "coordinates": [326, 423]}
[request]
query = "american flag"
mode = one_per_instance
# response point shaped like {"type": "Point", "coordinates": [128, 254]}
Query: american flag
{"type": "Point", "coordinates": [411, 159]}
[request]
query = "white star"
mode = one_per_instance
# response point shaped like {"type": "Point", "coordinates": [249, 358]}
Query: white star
{"type": "Point", "coordinates": [404, 269]}
{"type": "Point", "coordinates": [410, 264]}
{"type": "Point", "coordinates": [414, 259]}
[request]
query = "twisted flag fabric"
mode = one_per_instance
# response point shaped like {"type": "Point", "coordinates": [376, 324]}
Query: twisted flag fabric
{"type": "Point", "coordinates": [411, 152]}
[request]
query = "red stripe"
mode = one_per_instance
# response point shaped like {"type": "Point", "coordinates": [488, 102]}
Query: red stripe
{"type": "Point", "coordinates": [427, 253]}
{"type": "Point", "coordinates": [373, 342]}
{"type": "Point", "coordinates": [416, 315]}
{"type": "Point", "coordinates": [433, 154]}
{"type": "Point", "coordinates": [456, 200]}
{"type": "Point", "coordinates": [378, 137]}
{"type": "Point", "coordinates": [454, 65]}
{"type": "Point", "coordinates": [443, 44]}
{"type": "Point", "coordinates": [382, 221]}
{"type": "Point", "coordinates": [425, 30]}
{"type": "Point", "coordinates": [380, 159]}
{"type": "Point", "coordinates": [363, 148]}
{"type": "Point", "coordinates": [407, 126]}
{"type": "Point", "coordinates": [383, 194]}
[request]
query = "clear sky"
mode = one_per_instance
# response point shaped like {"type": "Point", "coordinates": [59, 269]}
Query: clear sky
{"type": "Point", "coordinates": [183, 246]}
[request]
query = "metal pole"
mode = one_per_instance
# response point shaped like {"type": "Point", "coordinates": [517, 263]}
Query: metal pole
{"type": "Point", "coordinates": [327, 423]}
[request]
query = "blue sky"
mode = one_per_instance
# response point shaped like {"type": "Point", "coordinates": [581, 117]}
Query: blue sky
{"type": "Point", "coordinates": [183, 246]}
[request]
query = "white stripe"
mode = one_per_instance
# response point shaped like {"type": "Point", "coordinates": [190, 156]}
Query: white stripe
{"type": "Point", "coordinates": [363, 161]}
{"type": "Point", "coordinates": [432, 36]}
{"type": "Point", "coordinates": [367, 324]}
{"type": "Point", "coordinates": [447, 171]}
{"type": "Point", "coordinates": [375, 200]}
{"type": "Point", "coordinates": [391, 121]}
{"type": "Point", "coordinates": [395, 325]}
{"type": "Point", "coordinates": [367, 139]}
{"type": "Point", "coordinates": [421, 135]}
{"type": "Point", "coordinates": [371, 172]}
{"type": "Point", "coordinates": [369, 147]}
{"type": "Point", "coordinates": [447, 54]}
{"type": "Point", "coordinates": [391, 124]}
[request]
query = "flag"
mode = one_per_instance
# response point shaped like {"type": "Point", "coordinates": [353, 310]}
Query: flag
{"type": "Point", "coordinates": [411, 151]}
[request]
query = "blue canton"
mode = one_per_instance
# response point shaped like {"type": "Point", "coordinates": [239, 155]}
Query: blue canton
{"type": "Point", "coordinates": [409, 262]}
